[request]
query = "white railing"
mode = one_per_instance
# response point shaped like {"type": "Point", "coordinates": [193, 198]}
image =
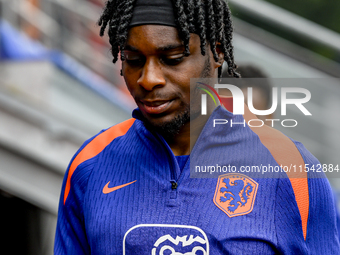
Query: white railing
{"type": "Point", "coordinates": [281, 18]}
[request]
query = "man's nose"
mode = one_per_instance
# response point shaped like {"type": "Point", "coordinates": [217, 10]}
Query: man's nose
{"type": "Point", "coordinates": [152, 75]}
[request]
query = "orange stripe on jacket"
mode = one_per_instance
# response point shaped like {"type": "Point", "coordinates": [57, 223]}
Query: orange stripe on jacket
{"type": "Point", "coordinates": [285, 153]}
{"type": "Point", "coordinates": [95, 147]}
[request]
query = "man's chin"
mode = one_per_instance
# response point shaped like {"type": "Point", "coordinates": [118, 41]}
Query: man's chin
{"type": "Point", "coordinates": [169, 128]}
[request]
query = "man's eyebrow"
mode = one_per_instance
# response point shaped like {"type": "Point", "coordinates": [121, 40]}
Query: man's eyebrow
{"type": "Point", "coordinates": [171, 47]}
{"type": "Point", "coordinates": [164, 48]}
{"type": "Point", "coordinates": [130, 48]}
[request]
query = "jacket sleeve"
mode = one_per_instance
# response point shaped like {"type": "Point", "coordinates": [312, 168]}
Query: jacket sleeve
{"type": "Point", "coordinates": [321, 234]}
{"type": "Point", "coordinates": [70, 235]}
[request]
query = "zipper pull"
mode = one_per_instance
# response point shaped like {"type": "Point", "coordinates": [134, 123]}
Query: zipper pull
{"type": "Point", "coordinates": [174, 185]}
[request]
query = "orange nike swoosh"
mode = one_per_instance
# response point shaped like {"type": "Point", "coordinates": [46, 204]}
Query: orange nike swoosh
{"type": "Point", "coordinates": [107, 190]}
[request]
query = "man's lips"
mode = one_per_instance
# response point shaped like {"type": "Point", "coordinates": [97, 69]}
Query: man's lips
{"type": "Point", "coordinates": [155, 106]}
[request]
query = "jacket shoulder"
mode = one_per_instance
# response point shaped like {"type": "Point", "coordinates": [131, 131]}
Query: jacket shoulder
{"type": "Point", "coordinates": [93, 147]}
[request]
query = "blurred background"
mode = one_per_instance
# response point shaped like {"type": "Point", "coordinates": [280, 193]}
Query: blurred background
{"type": "Point", "coordinates": [58, 87]}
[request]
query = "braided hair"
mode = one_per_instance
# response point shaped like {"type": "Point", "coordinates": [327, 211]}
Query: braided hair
{"type": "Point", "coordinates": [210, 19]}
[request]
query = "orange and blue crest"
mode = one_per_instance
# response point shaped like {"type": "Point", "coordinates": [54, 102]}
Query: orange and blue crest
{"type": "Point", "coordinates": [235, 194]}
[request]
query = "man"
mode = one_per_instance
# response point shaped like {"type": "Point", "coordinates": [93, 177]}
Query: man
{"type": "Point", "coordinates": [128, 190]}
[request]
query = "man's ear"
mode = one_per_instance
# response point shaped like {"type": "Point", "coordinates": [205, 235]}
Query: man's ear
{"type": "Point", "coordinates": [220, 55]}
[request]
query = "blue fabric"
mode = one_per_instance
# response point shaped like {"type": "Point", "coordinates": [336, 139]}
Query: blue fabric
{"type": "Point", "coordinates": [149, 216]}
{"type": "Point", "coordinates": [181, 160]}
{"type": "Point", "coordinates": [17, 46]}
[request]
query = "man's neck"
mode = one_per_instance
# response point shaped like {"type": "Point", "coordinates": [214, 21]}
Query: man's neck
{"type": "Point", "coordinates": [183, 142]}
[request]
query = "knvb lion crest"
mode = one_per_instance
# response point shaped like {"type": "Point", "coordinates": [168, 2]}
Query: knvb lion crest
{"type": "Point", "coordinates": [235, 194]}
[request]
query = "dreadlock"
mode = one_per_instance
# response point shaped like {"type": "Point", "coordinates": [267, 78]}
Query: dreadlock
{"type": "Point", "coordinates": [210, 19]}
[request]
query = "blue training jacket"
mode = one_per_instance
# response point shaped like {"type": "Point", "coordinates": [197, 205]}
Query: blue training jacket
{"type": "Point", "coordinates": [125, 193]}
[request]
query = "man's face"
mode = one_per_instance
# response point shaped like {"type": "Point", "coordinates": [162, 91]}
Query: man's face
{"type": "Point", "coordinates": [158, 74]}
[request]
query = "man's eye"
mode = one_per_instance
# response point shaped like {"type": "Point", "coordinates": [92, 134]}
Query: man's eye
{"type": "Point", "coordinates": [135, 61]}
{"type": "Point", "coordinates": [173, 60]}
